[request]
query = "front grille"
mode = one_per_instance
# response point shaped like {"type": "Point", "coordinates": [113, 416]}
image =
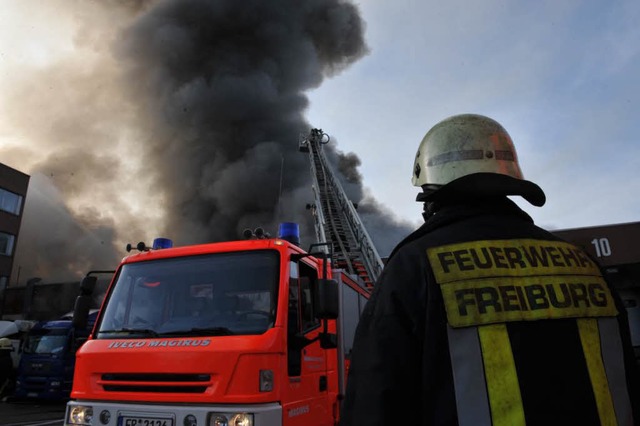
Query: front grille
{"type": "Point", "coordinates": [155, 382]}
{"type": "Point", "coordinates": [158, 389]}
{"type": "Point", "coordinates": [36, 368]}
{"type": "Point", "coordinates": [156, 377]}
{"type": "Point", "coordinates": [32, 384]}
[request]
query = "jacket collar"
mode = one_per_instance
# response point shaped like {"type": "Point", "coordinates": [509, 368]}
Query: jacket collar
{"type": "Point", "coordinates": [456, 211]}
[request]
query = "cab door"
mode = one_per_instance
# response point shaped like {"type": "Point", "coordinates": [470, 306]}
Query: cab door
{"type": "Point", "coordinates": [306, 399]}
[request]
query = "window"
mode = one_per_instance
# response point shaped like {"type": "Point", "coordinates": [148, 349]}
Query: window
{"type": "Point", "coordinates": [630, 297]}
{"type": "Point", "coordinates": [217, 294]}
{"type": "Point", "coordinates": [306, 304]}
{"type": "Point", "coordinates": [47, 341]}
{"type": "Point", "coordinates": [301, 318]}
{"type": "Point", "coordinates": [301, 315]}
{"type": "Point", "coordinates": [10, 202]}
{"type": "Point", "coordinates": [3, 291]}
{"type": "Point", "coordinates": [6, 244]}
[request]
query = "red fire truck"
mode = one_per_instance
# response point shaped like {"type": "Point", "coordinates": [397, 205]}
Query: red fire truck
{"type": "Point", "coordinates": [245, 333]}
{"type": "Point", "coordinates": [255, 332]}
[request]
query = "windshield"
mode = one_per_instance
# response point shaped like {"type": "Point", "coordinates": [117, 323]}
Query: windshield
{"type": "Point", "coordinates": [219, 294]}
{"type": "Point", "coordinates": [48, 341]}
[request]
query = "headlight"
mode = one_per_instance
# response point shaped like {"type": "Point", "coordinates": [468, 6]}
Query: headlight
{"type": "Point", "coordinates": [80, 415]}
{"type": "Point", "coordinates": [218, 420]}
{"type": "Point", "coordinates": [233, 419]}
{"type": "Point", "coordinates": [242, 419]}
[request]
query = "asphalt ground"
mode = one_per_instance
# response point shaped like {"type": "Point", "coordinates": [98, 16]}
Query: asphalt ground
{"type": "Point", "coordinates": [32, 413]}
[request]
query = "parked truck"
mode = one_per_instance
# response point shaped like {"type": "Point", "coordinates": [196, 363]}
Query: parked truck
{"type": "Point", "coordinates": [47, 363]}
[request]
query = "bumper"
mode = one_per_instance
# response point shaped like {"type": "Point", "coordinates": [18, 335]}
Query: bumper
{"type": "Point", "coordinates": [106, 413]}
{"type": "Point", "coordinates": [51, 388]}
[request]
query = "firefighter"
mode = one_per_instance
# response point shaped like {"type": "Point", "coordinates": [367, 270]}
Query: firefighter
{"type": "Point", "coordinates": [480, 317]}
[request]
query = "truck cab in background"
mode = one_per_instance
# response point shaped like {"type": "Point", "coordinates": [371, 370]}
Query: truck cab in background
{"type": "Point", "coordinates": [245, 333]}
{"type": "Point", "coordinates": [47, 363]}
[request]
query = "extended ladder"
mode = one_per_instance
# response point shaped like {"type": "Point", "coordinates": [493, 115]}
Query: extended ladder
{"type": "Point", "coordinates": [335, 217]}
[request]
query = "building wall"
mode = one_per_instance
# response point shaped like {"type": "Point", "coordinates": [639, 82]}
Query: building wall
{"type": "Point", "coordinates": [615, 248]}
{"type": "Point", "coordinates": [13, 191]}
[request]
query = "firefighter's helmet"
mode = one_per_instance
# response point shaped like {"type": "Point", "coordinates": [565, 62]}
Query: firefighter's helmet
{"type": "Point", "coordinates": [5, 344]}
{"type": "Point", "coordinates": [462, 145]}
{"type": "Point", "coordinates": [476, 148]}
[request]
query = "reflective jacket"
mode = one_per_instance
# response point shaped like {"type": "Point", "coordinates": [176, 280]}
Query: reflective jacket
{"type": "Point", "coordinates": [479, 318]}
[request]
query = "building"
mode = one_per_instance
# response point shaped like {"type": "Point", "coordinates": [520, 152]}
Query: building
{"type": "Point", "coordinates": [13, 190]}
{"type": "Point", "coordinates": [615, 248]}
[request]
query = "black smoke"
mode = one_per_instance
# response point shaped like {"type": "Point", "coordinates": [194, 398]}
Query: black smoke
{"type": "Point", "coordinates": [224, 89]}
{"type": "Point", "coordinates": [197, 107]}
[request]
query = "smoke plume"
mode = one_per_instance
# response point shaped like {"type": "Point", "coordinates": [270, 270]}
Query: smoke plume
{"type": "Point", "coordinates": [180, 119]}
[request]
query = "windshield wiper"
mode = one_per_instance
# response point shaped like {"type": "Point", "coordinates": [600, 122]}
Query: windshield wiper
{"type": "Point", "coordinates": [143, 331]}
{"type": "Point", "coordinates": [197, 331]}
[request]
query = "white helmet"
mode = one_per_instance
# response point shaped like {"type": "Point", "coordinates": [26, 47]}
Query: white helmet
{"type": "Point", "coordinates": [468, 144]}
{"type": "Point", "coordinates": [461, 145]}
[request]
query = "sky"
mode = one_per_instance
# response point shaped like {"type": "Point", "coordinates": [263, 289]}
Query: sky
{"type": "Point", "coordinates": [560, 76]}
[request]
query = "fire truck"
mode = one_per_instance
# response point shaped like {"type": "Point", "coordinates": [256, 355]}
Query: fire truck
{"type": "Point", "coordinates": [615, 248]}
{"type": "Point", "coordinates": [254, 332]}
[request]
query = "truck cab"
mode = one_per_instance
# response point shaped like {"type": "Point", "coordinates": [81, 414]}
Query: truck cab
{"type": "Point", "coordinates": [238, 333]}
{"type": "Point", "coordinates": [47, 363]}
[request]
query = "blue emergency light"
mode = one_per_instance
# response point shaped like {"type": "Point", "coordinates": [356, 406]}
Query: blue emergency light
{"type": "Point", "coordinates": [289, 231]}
{"type": "Point", "coordinates": [162, 243]}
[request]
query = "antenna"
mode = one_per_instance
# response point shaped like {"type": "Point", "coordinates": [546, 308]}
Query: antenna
{"type": "Point", "coordinates": [279, 208]}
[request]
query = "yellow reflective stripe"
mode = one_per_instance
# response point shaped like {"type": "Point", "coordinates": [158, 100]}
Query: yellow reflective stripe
{"type": "Point", "coordinates": [501, 376]}
{"type": "Point", "coordinates": [590, 338]}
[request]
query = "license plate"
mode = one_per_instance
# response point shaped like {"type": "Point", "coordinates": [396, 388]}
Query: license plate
{"type": "Point", "coordinates": [144, 421]}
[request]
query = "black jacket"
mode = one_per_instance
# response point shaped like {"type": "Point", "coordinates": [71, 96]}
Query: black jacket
{"type": "Point", "coordinates": [401, 365]}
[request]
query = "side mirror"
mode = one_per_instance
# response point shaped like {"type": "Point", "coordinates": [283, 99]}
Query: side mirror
{"type": "Point", "coordinates": [81, 311]}
{"type": "Point", "coordinates": [325, 301]}
{"type": "Point", "coordinates": [87, 285]}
